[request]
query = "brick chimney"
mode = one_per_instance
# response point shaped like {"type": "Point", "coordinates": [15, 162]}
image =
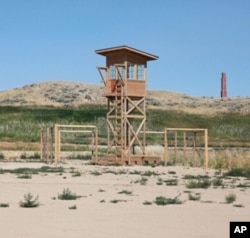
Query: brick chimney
{"type": "Point", "coordinates": [223, 85]}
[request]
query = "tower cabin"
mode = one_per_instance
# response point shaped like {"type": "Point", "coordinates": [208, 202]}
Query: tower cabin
{"type": "Point", "coordinates": [126, 64]}
{"type": "Point", "coordinates": [125, 81]}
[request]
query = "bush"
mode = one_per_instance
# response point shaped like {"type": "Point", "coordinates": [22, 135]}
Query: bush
{"type": "Point", "coordinates": [230, 198]}
{"type": "Point", "coordinates": [194, 197]}
{"type": "Point", "coordinates": [1, 156]}
{"type": "Point", "coordinates": [74, 207]}
{"type": "Point", "coordinates": [200, 183]}
{"type": "Point", "coordinates": [67, 195]}
{"type": "Point", "coordinates": [162, 201]}
{"type": "Point", "coordinates": [238, 172]}
{"type": "Point", "coordinates": [24, 176]}
{"type": "Point", "coordinates": [125, 192]}
{"type": "Point", "coordinates": [141, 181]}
{"type": "Point", "coordinates": [29, 201]}
{"type": "Point", "coordinates": [147, 203]}
{"type": "Point", "coordinates": [117, 200]}
{"type": "Point", "coordinates": [171, 182]}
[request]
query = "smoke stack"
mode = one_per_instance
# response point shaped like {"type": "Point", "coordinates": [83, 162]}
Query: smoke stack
{"type": "Point", "coordinates": [223, 85]}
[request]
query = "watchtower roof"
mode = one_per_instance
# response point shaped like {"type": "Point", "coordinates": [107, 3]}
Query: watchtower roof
{"type": "Point", "coordinates": [125, 48]}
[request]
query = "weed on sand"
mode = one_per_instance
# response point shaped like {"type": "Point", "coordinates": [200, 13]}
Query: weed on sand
{"type": "Point", "coordinates": [29, 201]}
{"type": "Point", "coordinates": [67, 195]}
{"type": "Point", "coordinates": [162, 201]}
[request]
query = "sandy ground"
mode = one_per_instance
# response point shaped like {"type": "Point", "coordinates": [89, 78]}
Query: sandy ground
{"type": "Point", "coordinates": [96, 216]}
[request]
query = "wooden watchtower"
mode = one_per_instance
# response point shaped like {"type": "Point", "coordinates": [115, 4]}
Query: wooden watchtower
{"type": "Point", "coordinates": [125, 81]}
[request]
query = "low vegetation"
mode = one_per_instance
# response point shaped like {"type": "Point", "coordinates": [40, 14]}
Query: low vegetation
{"type": "Point", "coordinates": [230, 198]}
{"type": "Point", "coordinates": [4, 205]}
{"type": "Point", "coordinates": [30, 171]}
{"type": "Point", "coordinates": [24, 123]}
{"type": "Point", "coordinates": [73, 207]}
{"type": "Point", "coordinates": [117, 200]}
{"type": "Point", "coordinates": [194, 196]}
{"type": "Point", "coordinates": [126, 192]}
{"type": "Point", "coordinates": [238, 172]}
{"type": "Point", "coordinates": [29, 201]}
{"type": "Point", "coordinates": [200, 183]}
{"type": "Point", "coordinates": [162, 201]}
{"type": "Point", "coordinates": [24, 176]}
{"type": "Point", "coordinates": [67, 195]}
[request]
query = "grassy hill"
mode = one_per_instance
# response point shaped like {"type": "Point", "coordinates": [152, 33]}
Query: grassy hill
{"type": "Point", "coordinates": [24, 111]}
{"type": "Point", "coordinates": [19, 123]}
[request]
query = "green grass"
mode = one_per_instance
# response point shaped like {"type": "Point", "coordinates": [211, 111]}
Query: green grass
{"type": "Point", "coordinates": [24, 123]}
{"type": "Point", "coordinates": [44, 169]}
{"type": "Point", "coordinates": [238, 172]}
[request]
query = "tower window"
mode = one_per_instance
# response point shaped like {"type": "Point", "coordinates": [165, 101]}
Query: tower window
{"type": "Point", "coordinates": [140, 71]}
{"type": "Point", "coordinates": [112, 72]}
{"type": "Point", "coordinates": [120, 72]}
{"type": "Point", "coordinates": [131, 72]}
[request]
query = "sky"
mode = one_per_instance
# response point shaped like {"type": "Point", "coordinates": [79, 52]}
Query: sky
{"type": "Point", "coordinates": [196, 40]}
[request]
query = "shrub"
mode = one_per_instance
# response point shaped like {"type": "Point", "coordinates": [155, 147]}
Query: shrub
{"type": "Point", "coordinates": [230, 198]}
{"type": "Point", "coordinates": [150, 173]}
{"type": "Point", "coordinates": [47, 169]}
{"type": "Point", "coordinates": [238, 172]}
{"type": "Point", "coordinates": [76, 174]}
{"type": "Point", "coordinates": [117, 200]}
{"type": "Point", "coordinates": [29, 201]}
{"type": "Point", "coordinates": [35, 156]}
{"type": "Point", "coordinates": [4, 204]}
{"type": "Point", "coordinates": [73, 207]}
{"type": "Point", "coordinates": [190, 176]}
{"type": "Point", "coordinates": [147, 203]}
{"type": "Point", "coordinates": [200, 183]}
{"type": "Point", "coordinates": [171, 172]}
{"type": "Point", "coordinates": [96, 173]}
{"type": "Point", "coordinates": [194, 197]}
{"type": "Point", "coordinates": [217, 182]}
{"type": "Point", "coordinates": [171, 182]}
{"type": "Point", "coordinates": [125, 192]}
{"type": "Point", "coordinates": [141, 181]}
{"type": "Point", "coordinates": [67, 195]}
{"type": "Point", "coordinates": [238, 205]}
{"type": "Point", "coordinates": [24, 176]}
{"type": "Point", "coordinates": [1, 156]}
{"type": "Point", "coordinates": [162, 201]}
